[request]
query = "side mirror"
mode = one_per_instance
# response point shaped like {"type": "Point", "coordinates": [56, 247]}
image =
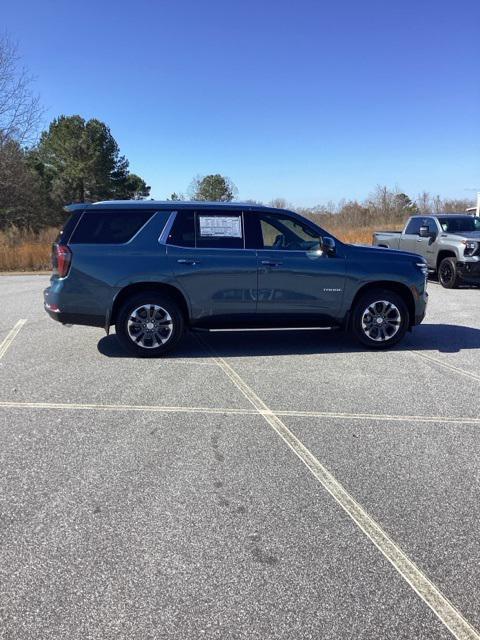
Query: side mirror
{"type": "Point", "coordinates": [328, 246]}
{"type": "Point", "coordinates": [424, 232]}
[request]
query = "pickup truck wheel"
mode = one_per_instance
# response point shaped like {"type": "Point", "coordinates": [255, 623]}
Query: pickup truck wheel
{"type": "Point", "coordinates": [380, 319]}
{"type": "Point", "coordinates": [149, 324]}
{"type": "Point", "coordinates": [448, 273]}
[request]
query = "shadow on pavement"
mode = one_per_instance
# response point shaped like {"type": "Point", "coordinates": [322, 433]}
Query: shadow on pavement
{"type": "Point", "coordinates": [445, 338]}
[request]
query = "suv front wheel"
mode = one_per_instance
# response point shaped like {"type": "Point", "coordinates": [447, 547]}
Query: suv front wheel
{"type": "Point", "coordinates": [149, 324]}
{"type": "Point", "coordinates": [380, 319]}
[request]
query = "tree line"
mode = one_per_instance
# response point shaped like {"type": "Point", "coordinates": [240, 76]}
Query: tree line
{"type": "Point", "coordinates": [73, 160]}
{"type": "Point", "coordinates": [78, 160]}
{"type": "Point", "coordinates": [383, 206]}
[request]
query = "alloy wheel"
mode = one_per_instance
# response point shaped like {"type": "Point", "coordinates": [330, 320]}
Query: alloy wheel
{"type": "Point", "coordinates": [381, 320]}
{"type": "Point", "coordinates": [150, 326]}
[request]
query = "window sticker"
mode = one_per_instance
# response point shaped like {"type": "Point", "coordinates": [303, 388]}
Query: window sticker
{"type": "Point", "coordinates": [220, 226]}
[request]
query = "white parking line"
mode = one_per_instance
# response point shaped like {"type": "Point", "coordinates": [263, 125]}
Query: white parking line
{"type": "Point", "coordinates": [440, 605]}
{"type": "Point", "coordinates": [180, 361]}
{"type": "Point", "coordinates": [379, 417]}
{"type": "Point", "coordinates": [463, 372]}
{"type": "Point", "coordinates": [122, 407]}
{"type": "Point", "coordinates": [10, 337]}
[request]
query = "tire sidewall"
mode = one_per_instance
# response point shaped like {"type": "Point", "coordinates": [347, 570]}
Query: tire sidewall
{"type": "Point", "coordinates": [147, 298]}
{"type": "Point", "coordinates": [367, 299]}
{"type": "Point", "coordinates": [453, 282]}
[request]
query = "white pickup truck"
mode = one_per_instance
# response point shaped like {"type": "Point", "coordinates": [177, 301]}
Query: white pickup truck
{"type": "Point", "coordinates": [450, 243]}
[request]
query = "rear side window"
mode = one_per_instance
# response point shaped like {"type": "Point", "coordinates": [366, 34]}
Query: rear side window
{"type": "Point", "coordinates": [183, 230]}
{"type": "Point", "coordinates": [219, 230]}
{"type": "Point", "coordinates": [70, 224]}
{"type": "Point", "coordinates": [207, 230]}
{"type": "Point", "coordinates": [115, 226]}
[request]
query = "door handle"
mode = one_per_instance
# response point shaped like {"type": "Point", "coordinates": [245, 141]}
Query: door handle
{"type": "Point", "coordinates": [271, 263]}
{"type": "Point", "coordinates": [419, 239]}
{"type": "Point", "coordinates": [187, 261]}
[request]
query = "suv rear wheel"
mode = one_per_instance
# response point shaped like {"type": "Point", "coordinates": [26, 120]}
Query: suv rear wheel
{"type": "Point", "coordinates": [380, 319]}
{"type": "Point", "coordinates": [149, 324]}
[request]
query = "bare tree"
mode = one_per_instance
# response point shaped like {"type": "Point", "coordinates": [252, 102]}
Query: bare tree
{"type": "Point", "coordinates": [424, 202]}
{"type": "Point", "coordinates": [278, 203]}
{"type": "Point", "coordinates": [20, 110]}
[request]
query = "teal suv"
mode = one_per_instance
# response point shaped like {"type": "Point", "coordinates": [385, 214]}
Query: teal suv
{"type": "Point", "coordinates": [155, 269]}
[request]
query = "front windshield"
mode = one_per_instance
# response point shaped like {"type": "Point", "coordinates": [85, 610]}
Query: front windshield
{"type": "Point", "coordinates": [457, 224]}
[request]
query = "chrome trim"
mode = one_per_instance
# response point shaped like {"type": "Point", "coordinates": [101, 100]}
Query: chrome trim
{"type": "Point", "coordinates": [167, 228]}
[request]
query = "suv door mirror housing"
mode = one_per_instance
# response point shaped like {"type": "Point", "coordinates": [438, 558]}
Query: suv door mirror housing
{"type": "Point", "coordinates": [328, 246]}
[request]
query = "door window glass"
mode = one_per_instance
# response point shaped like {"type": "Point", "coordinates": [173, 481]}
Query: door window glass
{"type": "Point", "coordinates": [222, 230]}
{"type": "Point", "coordinates": [183, 230]}
{"type": "Point", "coordinates": [413, 226]}
{"type": "Point", "coordinates": [287, 234]}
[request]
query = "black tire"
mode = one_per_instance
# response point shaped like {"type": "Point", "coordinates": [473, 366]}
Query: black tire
{"type": "Point", "coordinates": [388, 306]}
{"type": "Point", "coordinates": [448, 273]}
{"type": "Point", "coordinates": [161, 312]}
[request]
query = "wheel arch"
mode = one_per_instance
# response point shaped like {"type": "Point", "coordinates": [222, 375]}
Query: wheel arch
{"type": "Point", "coordinates": [139, 287]}
{"type": "Point", "coordinates": [397, 287]}
{"type": "Point", "coordinates": [445, 253]}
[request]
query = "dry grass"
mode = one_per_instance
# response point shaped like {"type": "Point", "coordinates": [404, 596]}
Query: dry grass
{"type": "Point", "coordinates": [361, 235]}
{"type": "Point", "coordinates": [353, 236]}
{"type": "Point", "coordinates": [22, 250]}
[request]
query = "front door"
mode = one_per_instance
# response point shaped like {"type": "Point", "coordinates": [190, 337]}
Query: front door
{"type": "Point", "coordinates": [218, 276]}
{"type": "Point", "coordinates": [297, 282]}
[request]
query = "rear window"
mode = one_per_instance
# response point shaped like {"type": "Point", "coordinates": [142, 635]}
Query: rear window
{"type": "Point", "coordinates": [115, 226]}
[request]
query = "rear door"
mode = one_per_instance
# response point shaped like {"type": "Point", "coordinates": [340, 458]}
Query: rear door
{"type": "Point", "coordinates": [408, 240]}
{"type": "Point", "coordinates": [296, 280]}
{"type": "Point", "coordinates": [206, 252]}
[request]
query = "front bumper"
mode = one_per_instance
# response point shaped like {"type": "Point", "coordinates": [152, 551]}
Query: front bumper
{"type": "Point", "coordinates": [469, 271]}
{"type": "Point", "coordinates": [421, 307]}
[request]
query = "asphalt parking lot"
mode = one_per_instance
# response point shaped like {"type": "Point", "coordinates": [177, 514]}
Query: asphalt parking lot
{"type": "Point", "coordinates": [251, 485]}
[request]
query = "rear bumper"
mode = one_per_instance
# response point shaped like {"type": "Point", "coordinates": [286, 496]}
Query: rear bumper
{"type": "Point", "coordinates": [55, 312]}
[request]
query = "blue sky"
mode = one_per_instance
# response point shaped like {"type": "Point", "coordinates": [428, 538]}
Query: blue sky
{"type": "Point", "coordinates": [307, 100]}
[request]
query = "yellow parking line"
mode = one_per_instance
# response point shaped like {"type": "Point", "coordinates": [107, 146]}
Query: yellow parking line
{"type": "Point", "coordinates": [430, 594]}
{"type": "Point", "coordinates": [10, 337]}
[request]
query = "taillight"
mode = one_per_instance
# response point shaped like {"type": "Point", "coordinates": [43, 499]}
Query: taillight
{"type": "Point", "coordinates": [61, 259]}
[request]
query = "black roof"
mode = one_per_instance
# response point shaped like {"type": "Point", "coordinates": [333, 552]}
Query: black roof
{"type": "Point", "coordinates": [173, 205]}
{"type": "Point", "coordinates": [443, 215]}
